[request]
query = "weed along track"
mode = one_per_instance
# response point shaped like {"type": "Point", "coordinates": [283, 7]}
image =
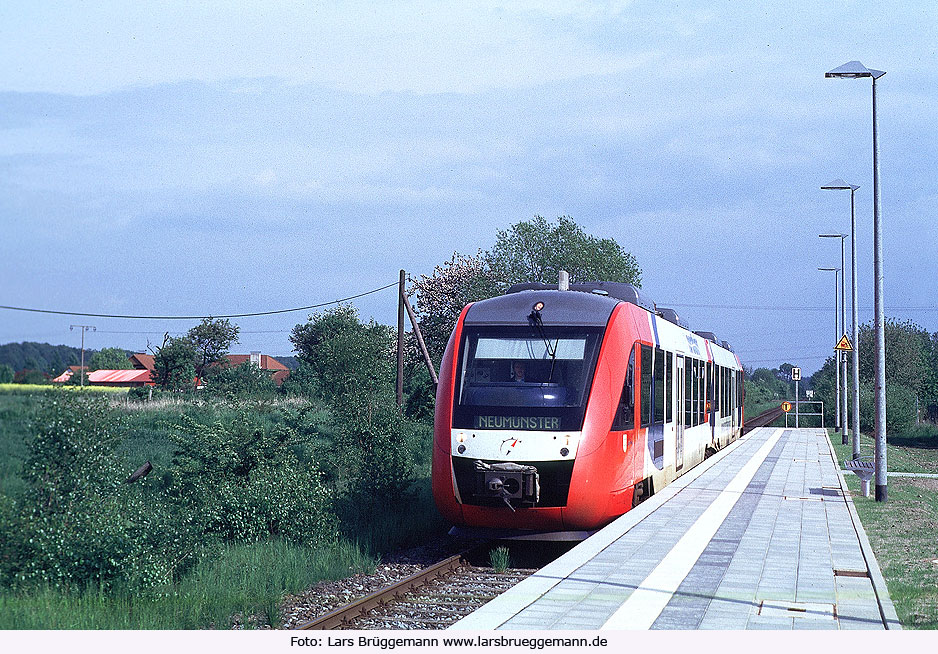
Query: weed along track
{"type": "Point", "coordinates": [432, 598]}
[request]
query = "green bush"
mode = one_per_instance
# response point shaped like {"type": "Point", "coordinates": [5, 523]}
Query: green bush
{"type": "Point", "coordinates": [244, 480]}
{"type": "Point", "coordinates": [78, 524]}
{"type": "Point", "coordinates": [244, 381]}
{"type": "Point", "coordinates": [301, 382]}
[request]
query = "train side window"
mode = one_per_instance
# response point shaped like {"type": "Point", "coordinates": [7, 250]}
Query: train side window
{"type": "Point", "coordinates": [658, 384]}
{"type": "Point", "coordinates": [625, 414]}
{"type": "Point", "coordinates": [669, 385]}
{"type": "Point", "coordinates": [708, 386]}
{"type": "Point", "coordinates": [646, 386]}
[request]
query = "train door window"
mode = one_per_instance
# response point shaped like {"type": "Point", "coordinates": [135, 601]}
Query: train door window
{"type": "Point", "coordinates": [669, 385]}
{"type": "Point", "coordinates": [625, 414]}
{"type": "Point", "coordinates": [702, 382]}
{"type": "Point", "coordinates": [646, 386]}
{"type": "Point", "coordinates": [708, 385]}
{"type": "Point", "coordinates": [658, 384]}
{"type": "Point", "coordinates": [695, 390]}
{"type": "Point", "coordinates": [728, 391]}
{"type": "Point", "coordinates": [718, 392]}
{"type": "Point", "coordinates": [688, 391]}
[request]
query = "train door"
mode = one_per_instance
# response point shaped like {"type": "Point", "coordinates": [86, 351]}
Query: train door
{"type": "Point", "coordinates": [732, 390]}
{"type": "Point", "coordinates": [679, 399]}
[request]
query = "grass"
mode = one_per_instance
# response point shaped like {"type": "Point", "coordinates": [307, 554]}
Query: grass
{"type": "Point", "coordinates": [28, 389]}
{"type": "Point", "coordinates": [902, 531]}
{"type": "Point", "coordinates": [500, 559]}
{"type": "Point", "coordinates": [244, 586]}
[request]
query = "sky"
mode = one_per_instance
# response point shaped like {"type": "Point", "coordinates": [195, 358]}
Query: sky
{"type": "Point", "coordinates": [221, 158]}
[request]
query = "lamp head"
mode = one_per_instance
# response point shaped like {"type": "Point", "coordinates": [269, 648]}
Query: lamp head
{"type": "Point", "coordinates": [853, 70]}
{"type": "Point", "coordinates": [839, 185]}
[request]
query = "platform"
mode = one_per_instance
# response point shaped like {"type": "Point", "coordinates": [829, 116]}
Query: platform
{"type": "Point", "coordinates": [763, 535]}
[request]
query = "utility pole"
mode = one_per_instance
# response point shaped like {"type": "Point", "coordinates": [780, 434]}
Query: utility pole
{"type": "Point", "coordinates": [400, 340]}
{"type": "Point", "coordinates": [83, 329]}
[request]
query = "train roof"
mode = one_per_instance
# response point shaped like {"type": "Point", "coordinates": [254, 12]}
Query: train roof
{"type": "Point", "coordinates": [561, 308]}
{"type": "Point", "coordinates": [617, 290]}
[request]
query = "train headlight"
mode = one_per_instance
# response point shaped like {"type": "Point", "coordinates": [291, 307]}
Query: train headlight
{"type": "Point", "coordinates": [461, 449]}
{"type": "Point", "coordinates": [461, 437]}
{"type": "Point", "coordinates": [564, 451]}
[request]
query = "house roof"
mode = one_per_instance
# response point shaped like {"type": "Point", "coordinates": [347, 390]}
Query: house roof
{"type": "Point", "coordinates": [142, 361]}
{"type": "Point", "coordinates": [267, 362]}
{"type": "Point", "coordinates": [119, 376]}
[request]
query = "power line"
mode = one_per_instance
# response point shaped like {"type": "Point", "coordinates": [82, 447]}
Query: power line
{"type": "Point", "coordinates": [781, 308]}
{"type": "Point", "coordinates": [230, 315]}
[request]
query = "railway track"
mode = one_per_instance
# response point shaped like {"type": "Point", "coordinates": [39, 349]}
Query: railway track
{"type": "Point", "coordinates": [433, 598]}
{"type": "Point", "coordinates": [763, 419]}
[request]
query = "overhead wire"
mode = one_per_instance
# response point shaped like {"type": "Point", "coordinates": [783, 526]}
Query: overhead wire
{"type": "Point", "coordinates": [229, 315]}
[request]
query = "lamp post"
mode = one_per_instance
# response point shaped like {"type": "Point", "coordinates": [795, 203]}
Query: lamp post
{"type": "Point", "coordinates": [841, 185]}
{"type": "Point", "coordinates": [841, 359]}
{"type": "Point", "coordinates": [854, 70]}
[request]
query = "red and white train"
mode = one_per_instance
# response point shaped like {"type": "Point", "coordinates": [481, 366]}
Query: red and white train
{"type": "Point", "coordinates": [558, 410]}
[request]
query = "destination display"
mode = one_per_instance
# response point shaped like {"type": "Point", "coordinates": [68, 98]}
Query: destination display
{"type": "Point", "coordinates": [531, 423]}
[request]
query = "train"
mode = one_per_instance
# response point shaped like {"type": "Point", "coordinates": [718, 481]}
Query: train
{"type": "Point", "coordinates": [562, 406]}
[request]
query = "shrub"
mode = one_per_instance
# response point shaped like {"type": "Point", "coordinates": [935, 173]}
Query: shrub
{"type": "Point", "coordinates": [243, 481]}
{"type": "Point", "coordinates": [244, 381]}
{"type": "Point", "coordinates": [80, 524]}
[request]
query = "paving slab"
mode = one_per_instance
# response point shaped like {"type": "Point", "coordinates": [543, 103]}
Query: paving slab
{"type": "Point", "coordinates": [762, 535]}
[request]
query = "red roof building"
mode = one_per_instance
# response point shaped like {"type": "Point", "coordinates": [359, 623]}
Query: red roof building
{"type": "Point", "coordinates": [120, 378]}
{"type": "Point", "coordinates": [141, 361]}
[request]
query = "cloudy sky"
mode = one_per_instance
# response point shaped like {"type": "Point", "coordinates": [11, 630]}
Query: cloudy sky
{"type": "Point", "coordinates": [218, 158]}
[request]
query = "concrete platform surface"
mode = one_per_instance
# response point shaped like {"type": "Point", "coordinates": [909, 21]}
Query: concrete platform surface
{"type": "Point", "coordinates": [763, 535]}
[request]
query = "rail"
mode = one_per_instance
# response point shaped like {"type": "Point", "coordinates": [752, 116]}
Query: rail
{"type": "Point", "coordinates": [345, 614]}
{"type": "Point", "coordinates": [763, 419]}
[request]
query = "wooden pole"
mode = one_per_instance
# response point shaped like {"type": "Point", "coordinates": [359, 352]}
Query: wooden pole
{"type": "Point", "coordinates": [420, 342]}
{"type": "Point", "coordinates": [400, 340]}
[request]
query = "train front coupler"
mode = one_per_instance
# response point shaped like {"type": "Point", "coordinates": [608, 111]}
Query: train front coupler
{"type": "Point", "coordinates": [507, 481]}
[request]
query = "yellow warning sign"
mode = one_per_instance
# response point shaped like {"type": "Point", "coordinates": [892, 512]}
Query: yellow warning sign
{"type": "Point", "coordinates": [786, 406]}
{"type": "Point", "coordinates": [844, 344]}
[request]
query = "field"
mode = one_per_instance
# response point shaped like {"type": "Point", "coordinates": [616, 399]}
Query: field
{"type": "Point", "coordinates": [904, 530]}
{"type": "Point", "coordinates": [239, 577]}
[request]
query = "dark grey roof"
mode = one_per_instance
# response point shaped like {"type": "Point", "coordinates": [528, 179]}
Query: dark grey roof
{"type": "Point", "coordinates": [561, 308]}
{"type": "Point", "coordinates": [710, 336]}
{"type": "Point", "coordinates": [618, 290]}
{"type": "Point", "coordinates": [671, 316]}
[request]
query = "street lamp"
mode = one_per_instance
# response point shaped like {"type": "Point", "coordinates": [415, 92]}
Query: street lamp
{"type": "Point", "coordinates": [840, 185]}
{"type": "Point", "coordinates": [854, 70]}
{"type": "Point", "coordinates": [841, 360]}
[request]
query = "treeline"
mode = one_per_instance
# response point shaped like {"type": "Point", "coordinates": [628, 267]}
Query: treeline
{"type": "Point", "coordinates": [42, 357]}
{"type": "Point", "coordinates": [911, 376]}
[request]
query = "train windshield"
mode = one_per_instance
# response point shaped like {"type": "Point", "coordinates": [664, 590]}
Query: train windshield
{"type": "Point", "coordinates": [525, 379]}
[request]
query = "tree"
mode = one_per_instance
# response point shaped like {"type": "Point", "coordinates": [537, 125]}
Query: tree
{"type": "Point", "coordinates": [528, 251]}
{"type": "Point", "coordinates": [536, 251]}
{"type": "Point", "coordinates": [109, 358]}
{"type": "Point", "coordinates": [442, 296]}
{"type": "Point", "coordinates": [347, 357]}
{"type": "Point", "coordinates": [173, 363]}
{"type": "Point", "coordinates": [6, 374]}
{"type": "Point", "coordinates": [211, 339]}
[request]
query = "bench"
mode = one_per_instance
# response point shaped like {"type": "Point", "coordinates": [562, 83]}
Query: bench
{"type": "Point", "coordinates": [863, 468]}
